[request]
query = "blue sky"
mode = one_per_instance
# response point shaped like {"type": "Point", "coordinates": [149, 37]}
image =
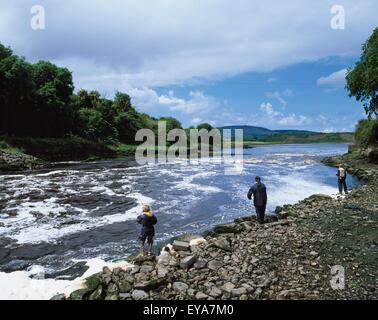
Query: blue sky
{"type": "Point", "coordinates": [271, 63]}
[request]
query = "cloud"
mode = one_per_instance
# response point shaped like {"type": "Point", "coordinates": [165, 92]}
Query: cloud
{"type": "Point", "coordinates": [277, 118]}
{"type": "Point", "coordinates": [271, 80]}
{"type": "Point", "coordinates": [280, 96]}
{"type": "Point", "coordinates": [334, 80]}
{"type": "Point", "coordinates": [198, 103]}
{"type": "Point", "coordinates": [150, 43]}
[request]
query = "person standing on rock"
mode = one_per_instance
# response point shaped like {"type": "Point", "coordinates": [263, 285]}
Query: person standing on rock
{"type": "Point", "coordinates": [342, 175]}
{"type": "Point", "coordinates": [147, 220]}
{"type": "Point", "coordinates": [258, 191]}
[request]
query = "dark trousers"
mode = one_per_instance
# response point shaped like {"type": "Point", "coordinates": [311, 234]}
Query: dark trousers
{"type": "Point", "coordinates": [343, 185]}
{"type": "Point", "coordinates": [260, 213]}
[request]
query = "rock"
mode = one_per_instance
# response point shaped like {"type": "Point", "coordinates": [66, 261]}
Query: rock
{"type": "Point", "coordinates": [228, 287]}
{"type": "Point", "coordinates": [124, 296]}
{"type": "Point", "coordinates": [139, 260]}
{"type": "Point", "coordinates": [201, 296]}
{"type": "Point", "coordinates": [150, 284]}
{"type": "Point", "coordinates": [228, 228]}
{"type": "Point", "coordinates": [181, 245]}
{"type": "Point", "coordinates": [215, 292]}
{"type": "Point", "coordinates": [97, 294]}
{"type": "Point", "coordinates": [222, 244]}
{"type": "Point", "coordinates": [80, 294]}
{"type": "Point", "coordinates": [238, 292]}
{"type": "Point", "coordinates": [180, 286]}
{"type": "Point", "coordinates": [125, 286]}
{"type": "Point", "coordinates": [200, 264]}
{"type": "Point", "coordinates": [135, 270]}
{"type": "Point", "coordinates": [139, 295]}
{"type": "Point", "coordinates": [270, 218]}
{"type": "Point", "coordinates": [162, 271]}
{"type": "Point", "coordinates": [146, 269]}
{"type": "Point", "coordinates": [215, 265]}
{"type": "Point", "coordinates": [60, 296]}
{"type": "Point", "coordinates": [187, 262]}
{"type": "Point", "coordinates": [93, 281]}
{"type": "Point", "coordinates": [245, 219]}
{"type": "Point", "coordinates": [351, 206]}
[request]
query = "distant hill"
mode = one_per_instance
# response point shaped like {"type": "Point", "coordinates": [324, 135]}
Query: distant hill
{"type": "Point", "coordinates": [257, 133]}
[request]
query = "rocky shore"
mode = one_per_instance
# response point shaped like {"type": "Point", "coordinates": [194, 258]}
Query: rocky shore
{"type": "Point", "coordinates": [290, 258]}
{"type": "Point", "coordinates": [10, 161]}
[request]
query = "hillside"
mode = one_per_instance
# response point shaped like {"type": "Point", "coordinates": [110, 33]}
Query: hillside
{"type": "Point", "coordinates": [260, 134]}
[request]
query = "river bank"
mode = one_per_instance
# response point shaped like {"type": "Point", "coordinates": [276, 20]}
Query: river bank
{"type": "Point", "coordinates": [288, 259]}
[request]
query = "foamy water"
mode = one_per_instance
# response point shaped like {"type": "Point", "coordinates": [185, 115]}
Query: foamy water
{"type": "Point", "coordinates": [83, 211]}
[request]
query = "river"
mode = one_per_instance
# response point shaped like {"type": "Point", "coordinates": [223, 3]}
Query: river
{"type": "Point", "coordinates": [53, 218]}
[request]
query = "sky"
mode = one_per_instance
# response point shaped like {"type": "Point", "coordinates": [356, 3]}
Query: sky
{"type": "Point", "coordinates": [273, 63]}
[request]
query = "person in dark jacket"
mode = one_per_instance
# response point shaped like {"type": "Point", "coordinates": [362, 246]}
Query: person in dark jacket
{"type": "Point", "coordinates": [258, 191]}
{"type": "Point", "coordinates": [342, 175]}
{"type": "Point", "coordinates": [147, 220]}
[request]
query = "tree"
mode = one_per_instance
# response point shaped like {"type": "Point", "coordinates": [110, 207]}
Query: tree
{"type": "Point", "coordinates": [171, 123]}
{"type": "Point", "coordinates": [205, 126]}
{"type": "Point", "coordinates": [362, 81]}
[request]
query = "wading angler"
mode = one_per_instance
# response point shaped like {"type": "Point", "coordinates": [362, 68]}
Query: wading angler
{"type": "Point", "coordinates": [195, 145]}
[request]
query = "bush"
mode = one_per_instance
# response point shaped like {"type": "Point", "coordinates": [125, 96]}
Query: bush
{"type": "Point", "coordinates": [367, 133]}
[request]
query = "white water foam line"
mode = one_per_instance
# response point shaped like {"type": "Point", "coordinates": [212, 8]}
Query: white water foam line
{"type": "Point", "coordinates": [24, 230]}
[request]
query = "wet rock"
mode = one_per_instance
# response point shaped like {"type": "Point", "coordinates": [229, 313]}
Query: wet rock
{"type": "Point", "coordinates": [93, 281]}
{"type": "Point", "coordinates": [60, 296]}
{"type": "Point", "coordinates": [81, 294]}
{"type": "Point", "coordinates": [97, 294]}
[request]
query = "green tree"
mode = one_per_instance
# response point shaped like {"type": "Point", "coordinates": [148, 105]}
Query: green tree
{"type": "Point", "coordinates": [171, 123]}
{"type": "Point", "coordinates": [362, 81]}
{"type": "Point", "coordinates": [206, 126]}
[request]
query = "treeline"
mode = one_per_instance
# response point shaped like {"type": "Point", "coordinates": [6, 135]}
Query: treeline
{"type": "Point", "coordinates": [38, 100]}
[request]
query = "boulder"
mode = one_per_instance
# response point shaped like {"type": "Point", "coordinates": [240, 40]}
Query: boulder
{"type": "Point", "coordinates": [93, 281]}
